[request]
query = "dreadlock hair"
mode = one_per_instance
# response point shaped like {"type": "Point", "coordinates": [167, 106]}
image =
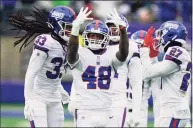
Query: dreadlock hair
{"type": "Point", "coordinates": [34, 26]}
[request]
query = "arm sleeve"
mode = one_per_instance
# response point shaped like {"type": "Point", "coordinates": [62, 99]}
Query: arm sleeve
{"type": "Point", "coordinates": [156, 70]}
{"type": "Point", "coordinates": [35, 64]}
{"type": "Point", "coordinates": [135, 79]}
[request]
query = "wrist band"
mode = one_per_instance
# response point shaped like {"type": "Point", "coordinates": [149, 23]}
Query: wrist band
{"type": "Point", "coordinates": [75, 29]}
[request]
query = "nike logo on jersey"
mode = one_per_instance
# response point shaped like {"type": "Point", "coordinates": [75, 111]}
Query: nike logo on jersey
{"type": "Point", "coordinates": [111, 117]}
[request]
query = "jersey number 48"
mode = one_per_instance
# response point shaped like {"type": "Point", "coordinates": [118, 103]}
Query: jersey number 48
{"type": "Point", "coordinates": [102, 80]}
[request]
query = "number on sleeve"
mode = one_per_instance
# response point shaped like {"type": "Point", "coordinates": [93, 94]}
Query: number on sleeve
{"type": "Point", "coordinates": [103, 79]}
{"type": "Point", "coordinates": [41, 40]}
{"type": "Point", "coordinates": [175, 52]}
{"type": "Point", "coordinates": [59, 61]}
{"type": "Point", "coordinates": [186, 78]}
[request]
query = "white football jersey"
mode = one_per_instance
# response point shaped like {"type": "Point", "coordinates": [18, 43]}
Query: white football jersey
{"type": "Point", "coordinates": [92, 78]}
{"type": "Point", "coordinates": [174, 86]}
{"type": "Point", "coordinates": [49, 76]}
{"type": "Point", "coordinates": [119, 87]}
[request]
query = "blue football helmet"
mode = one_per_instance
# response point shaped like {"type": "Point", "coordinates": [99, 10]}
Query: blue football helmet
{"type": "Point", "coordinates": [96, 35]}
{"type": "Point", "coordinates": [113, 30]}
{"type": "Point", "coordinates": [60, 19]}
{"type": "Point", "coordinates": [139, 37]}
{"type": "Point", "coordinates": [170, 31]}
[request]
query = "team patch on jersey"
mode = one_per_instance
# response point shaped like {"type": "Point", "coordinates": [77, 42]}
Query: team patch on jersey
{"type": "Point", "coordinates": [38, 54]}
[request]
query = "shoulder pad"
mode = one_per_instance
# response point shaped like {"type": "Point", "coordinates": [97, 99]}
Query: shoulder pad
{"type": "Point", "coordinates": [177, 54]}
{"type": "Point", "coordinates": [43, 42]}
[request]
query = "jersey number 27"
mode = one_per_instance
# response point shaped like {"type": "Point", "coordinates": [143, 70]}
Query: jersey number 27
{"type": "Point", "coordinates": [102, 80]}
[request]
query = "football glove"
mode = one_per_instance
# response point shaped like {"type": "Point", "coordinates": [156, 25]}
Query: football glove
{"type": "Point", "coordinates": [134, 120]}
{"type": "Point", "coordinates": [80, 19]}
{"type": "Point", "coordinates": [119, 23]}
{"type": "Point", "coordinates": [72, 106]}
{"type": "Point", "coordinates": [153, 53]}
{"type": "Point", "coordinates": [148, 41]}
{"type": "Point", "coordinates": [65, 97]}
{"type": "Point", "coordinates": [28, 110]}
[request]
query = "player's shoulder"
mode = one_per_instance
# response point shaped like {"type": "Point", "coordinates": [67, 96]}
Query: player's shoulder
{"type": "Point", "coordinates": [133, 49]}
{"type": "Point", "coordinates": [177, 54]}
{"type": "Point", "coordinates": [83, 50]}
{"type": "Point", "coordinates": [133, 46]}
{"type": "Point", "coordinates": [113, 47]}
{"type": "Point", "coordinates": [44, 40]}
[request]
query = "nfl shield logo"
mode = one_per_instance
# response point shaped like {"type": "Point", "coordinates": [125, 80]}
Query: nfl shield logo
{"type": "Point", "coordinates": [98, 60]}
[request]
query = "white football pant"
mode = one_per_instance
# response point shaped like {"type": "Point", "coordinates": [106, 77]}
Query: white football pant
{"type": "Point", "coordinates": [172, 122]}
{"type": "Point", "coordinates": [117, 117]}
{"type": "Point", "coordinates": [91, 118]}
{"type": "Point", "coordinates": [48, 114]}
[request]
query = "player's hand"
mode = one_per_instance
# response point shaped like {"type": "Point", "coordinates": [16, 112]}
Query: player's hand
{"type": "Point", "coordinates": [148, 41]}
{"type": "Point", "coordinates": [65, 97]}
{"type": "Point", "coordinates": [119, 23]}
{"type": "Point", "coordinates": [133, 121]}
{"type": "Point", "coordinates": [28, 110]}
{"type": "Point", "coordinates": [72, 106]}
{"type": "Point", "coordinates": [82, 17]}
{"type": "Point", "coordinates": [153, 53]}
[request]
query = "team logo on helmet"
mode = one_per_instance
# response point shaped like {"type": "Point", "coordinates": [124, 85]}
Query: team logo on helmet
{"type": "Point", "coordinates": [57, 15]}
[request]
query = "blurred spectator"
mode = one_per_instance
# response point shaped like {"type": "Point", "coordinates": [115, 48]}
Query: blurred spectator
{"type": "Point", "coordinates": [102, 8]}
{"type": "Point", "coordinates": [145, 15]}
{"type": "Point", "coordinates": [168, 10]}
{"type": "Point", "coordinates": [8, 7]}
{"type": "Point", "coordinates": [89, 4]}
{"type": "Point", "coordinates": [186, 11]}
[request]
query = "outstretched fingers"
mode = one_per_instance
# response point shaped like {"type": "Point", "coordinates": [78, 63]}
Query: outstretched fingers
{"type": "Point", "coordinates": [88, 13]}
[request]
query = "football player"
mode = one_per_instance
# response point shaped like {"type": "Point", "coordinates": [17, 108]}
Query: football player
{"type": "Point", "coordinates": [43, 89]}
{"type": "Point", "coordinates": [93, 66]}
{"type": "Point", "coordinates": [123, 114]}
{"type": "Point", "coordinates": [174, 71]}
{"type": "Point", "coordinates": [149, 86]}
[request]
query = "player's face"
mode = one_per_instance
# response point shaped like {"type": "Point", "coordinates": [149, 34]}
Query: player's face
{"type": "Point", "coordinates": [95, 36]}
{"type": "Point", "coordinates": [113, 29]}
{"type": "Point", "coordinates": [67, 29]}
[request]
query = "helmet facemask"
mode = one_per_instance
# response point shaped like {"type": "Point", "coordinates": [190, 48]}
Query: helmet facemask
{"type": "Point", "coordinates": [113, 31]}
{"type": "Point", "coordinates": [95, 41]}
{"type": "Point", "coordinates": [65, 31]}
{"type": "Point", "coordinates": [158, 43]}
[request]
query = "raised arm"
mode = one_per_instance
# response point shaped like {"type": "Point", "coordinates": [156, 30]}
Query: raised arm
{"type": "Point", "coordinates": [124, 41]}
{"type": "Point", "coordinates": [159, 69]}
{"type": "Point", "coordinates": [123, 45]}
{"type": "Point", "coordinates": [73, 45]}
